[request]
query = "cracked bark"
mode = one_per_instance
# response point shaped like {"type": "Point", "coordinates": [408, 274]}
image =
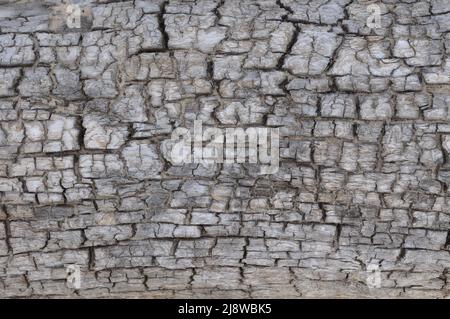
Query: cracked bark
{"type": "Point", "coordinates": [363, 176]}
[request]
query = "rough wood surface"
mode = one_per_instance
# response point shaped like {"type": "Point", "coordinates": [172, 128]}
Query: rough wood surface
{"type": "Point", "coordinates": [364, 116]}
